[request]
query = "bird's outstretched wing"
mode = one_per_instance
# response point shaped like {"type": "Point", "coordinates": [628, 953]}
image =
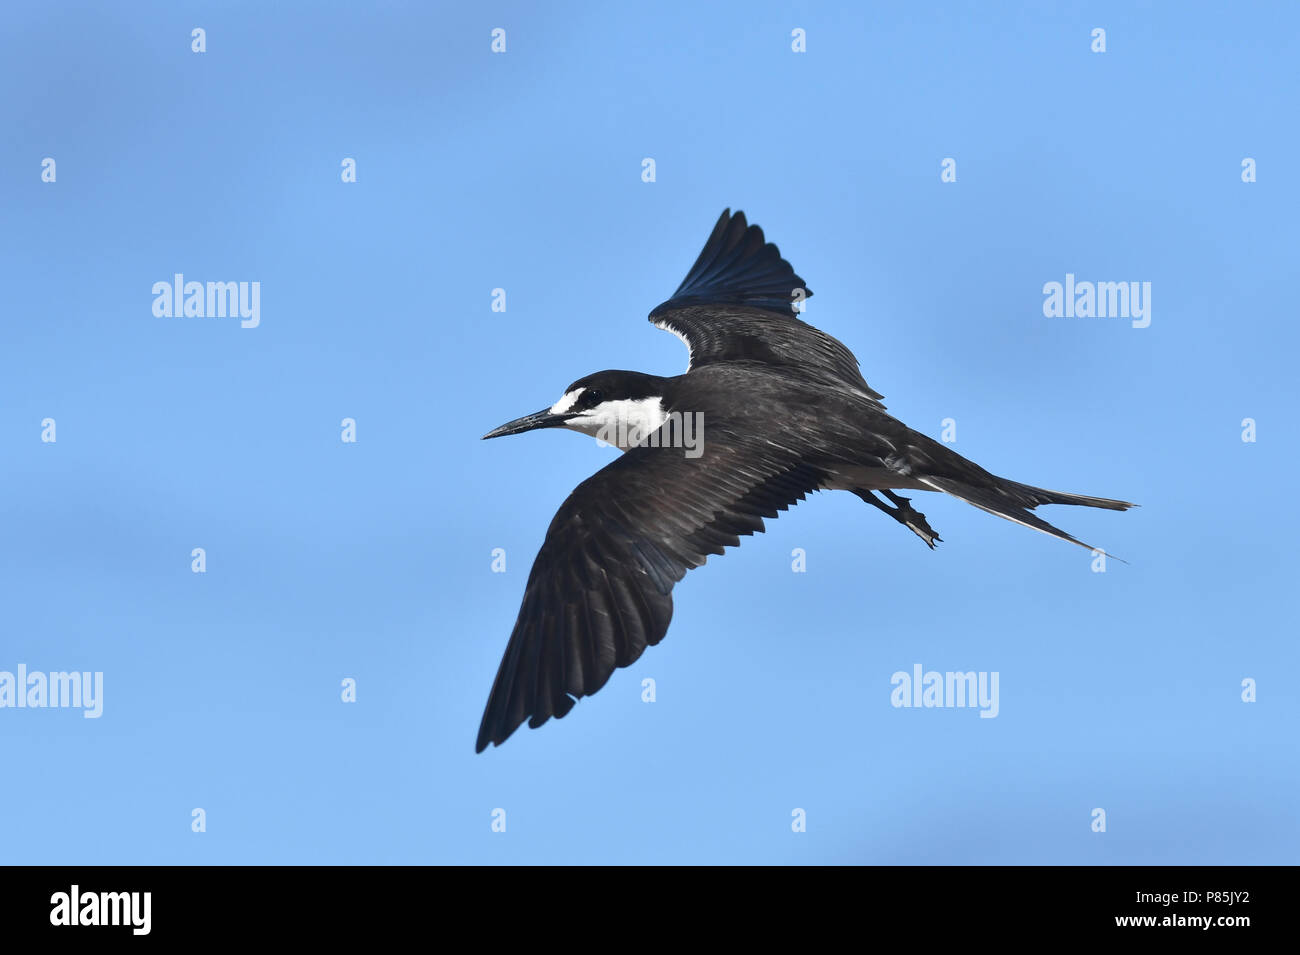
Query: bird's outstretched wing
{"type": "Point", "coordinates": [737, 304]}
{"type": "Point", "coordinates": [600, 590]}
{"type": "Point", "coordinates": [737, 266]}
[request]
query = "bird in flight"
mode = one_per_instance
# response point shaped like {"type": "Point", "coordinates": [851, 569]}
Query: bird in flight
{"type": "Point", "coordinates": [768, 410]}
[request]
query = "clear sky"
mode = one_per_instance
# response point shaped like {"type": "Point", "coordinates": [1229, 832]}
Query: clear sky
{"type": "Point", "coordinates": [372, 560]}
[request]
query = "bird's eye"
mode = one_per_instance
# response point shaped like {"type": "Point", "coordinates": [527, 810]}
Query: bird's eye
{"type": "Point", "coordinates": [594, 397]}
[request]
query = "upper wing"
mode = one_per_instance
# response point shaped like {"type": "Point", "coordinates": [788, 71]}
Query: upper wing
{"type": "Point", "coordinates": [737, 266]}
{"type": "Point", "coordinates": [600, 590]}
{"type": "Point", "coordinates": [737, 304]}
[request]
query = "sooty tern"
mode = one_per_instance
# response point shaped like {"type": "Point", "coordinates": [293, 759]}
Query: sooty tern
{"type": "Point", "coordinates": [781, 410]}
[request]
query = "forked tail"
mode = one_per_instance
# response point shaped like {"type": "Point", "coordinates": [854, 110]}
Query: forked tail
{"type": "Point", "coordinates": [1015, 502]}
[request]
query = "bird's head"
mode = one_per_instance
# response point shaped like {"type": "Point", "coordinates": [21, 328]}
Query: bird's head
{"type": "Point", "coordinates": [614, 406]}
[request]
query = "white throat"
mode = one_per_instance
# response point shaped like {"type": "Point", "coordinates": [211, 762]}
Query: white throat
{"type": "Point", "coordinates": [624, 422]}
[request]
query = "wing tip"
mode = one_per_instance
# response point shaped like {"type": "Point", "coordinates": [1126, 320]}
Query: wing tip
{"type": "Point", "coordinates": [739, 266]}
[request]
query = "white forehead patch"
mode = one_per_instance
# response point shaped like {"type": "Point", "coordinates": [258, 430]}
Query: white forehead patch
{"type": "Point", "coordinates": [568, 401]}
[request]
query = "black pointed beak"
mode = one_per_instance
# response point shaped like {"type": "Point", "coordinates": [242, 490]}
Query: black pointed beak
{"type": "Point", "coordinates": [529, 422]}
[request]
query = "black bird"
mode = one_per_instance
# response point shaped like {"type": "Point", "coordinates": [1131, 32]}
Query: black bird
{"type": "Point", "coordinates": [769, 409]}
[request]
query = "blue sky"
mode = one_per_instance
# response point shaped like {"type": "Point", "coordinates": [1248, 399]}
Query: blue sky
{"type": "Point", "coordinates": [372, 560]}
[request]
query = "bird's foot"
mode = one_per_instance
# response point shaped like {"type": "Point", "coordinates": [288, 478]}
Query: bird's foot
{"type": "Point", "coordinates": [905, 514]}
